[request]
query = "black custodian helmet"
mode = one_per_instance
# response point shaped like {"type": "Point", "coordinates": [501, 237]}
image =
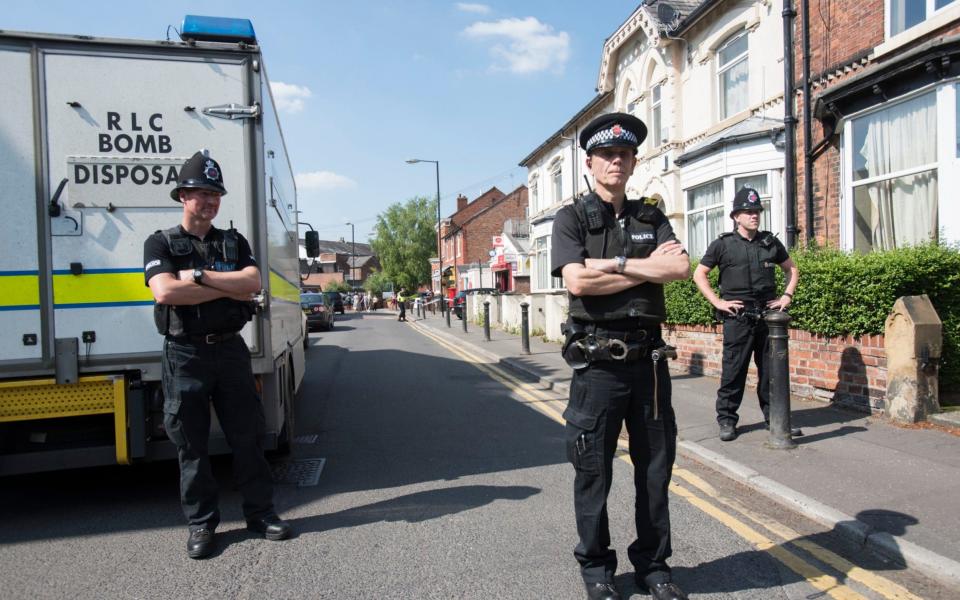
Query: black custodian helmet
{"type": "Point", "coordinates": [747, 199]}
{"type": "Point", "coordinates": [201, 172]}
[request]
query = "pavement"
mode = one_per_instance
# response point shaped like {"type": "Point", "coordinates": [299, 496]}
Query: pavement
{"type": "Point", "coordinates": [890, 488]}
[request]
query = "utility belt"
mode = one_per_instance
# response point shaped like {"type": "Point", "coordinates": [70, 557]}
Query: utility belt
{"type": "Point", "coordinates": [752, 311]}
{"type": "Point", "coordinates": [587, 343]}
{"type": "Point", "coordinates": [203, 338]}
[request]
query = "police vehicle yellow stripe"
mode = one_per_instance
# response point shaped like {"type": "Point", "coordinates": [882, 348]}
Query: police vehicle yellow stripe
{"type": "Point", "coordinates": [21, 290]}
{"type": "Point", "coordinates": [94, 288]}
{"type": "Point", "coordinates": [281, 289]}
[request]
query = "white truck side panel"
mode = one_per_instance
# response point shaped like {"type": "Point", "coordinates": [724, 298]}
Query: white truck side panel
{"type": "Point", "coordinates": [118, 128]}
{"type": "Point", "coordinates": [20, 304]}
{"type": "Point", "coordinates": [281, 219]}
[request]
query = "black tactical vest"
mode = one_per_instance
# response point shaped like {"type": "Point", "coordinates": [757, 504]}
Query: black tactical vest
{"type": "Point", "coordinates": [634, 235]}
{"type": "Point", "coordinates": [223, 315]}
{"type": "Point", "coordinates": [748, 271]}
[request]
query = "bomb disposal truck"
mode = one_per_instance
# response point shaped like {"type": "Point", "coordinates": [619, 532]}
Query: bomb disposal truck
{"type": "Point", "coordinates": [92, 134]}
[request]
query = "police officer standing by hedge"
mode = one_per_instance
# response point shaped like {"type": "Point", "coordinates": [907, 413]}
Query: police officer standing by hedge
{"type": "Point", "coordinates": [614, 255]}
{"type": "Point", "coordinates": [202, 279]}
{"type": "Point", "coordinates": [747, 258]}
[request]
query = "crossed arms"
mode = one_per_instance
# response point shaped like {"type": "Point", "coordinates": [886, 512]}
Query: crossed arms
{"type": "Point", "coordinates": [599, 277]}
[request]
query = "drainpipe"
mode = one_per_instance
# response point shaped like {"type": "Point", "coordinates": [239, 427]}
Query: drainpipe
{"type": "Point", "coordinates": [789, 127]}
{"type": "Point", "coordinates": [807, 142]}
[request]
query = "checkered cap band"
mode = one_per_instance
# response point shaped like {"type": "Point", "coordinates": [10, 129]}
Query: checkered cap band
{"type": "Point", "coordinates": [614, 133]}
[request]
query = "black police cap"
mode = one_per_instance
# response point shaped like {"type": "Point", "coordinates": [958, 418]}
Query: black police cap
{"type": "Point", "coordinates": [199, 172]}
{"type": "Point", "coordinates": [746, 199]}
{"type": "Point", "coordinates": [613, 129]}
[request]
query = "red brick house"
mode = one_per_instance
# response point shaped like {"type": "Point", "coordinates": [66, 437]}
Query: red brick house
{"type": "Point", "coordinates": [468, 233]}
{"type": "Point", "coordinates": [885, 137]}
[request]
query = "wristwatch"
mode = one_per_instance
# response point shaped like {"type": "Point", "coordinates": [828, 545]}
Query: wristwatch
{"type": "Point", "coordinates": [621, 263]}
{"type": "Point", "coordinates": [198, 276]}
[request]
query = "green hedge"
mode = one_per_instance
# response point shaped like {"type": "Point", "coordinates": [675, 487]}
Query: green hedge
{"type": "Point", "coordinates": [847, 293]}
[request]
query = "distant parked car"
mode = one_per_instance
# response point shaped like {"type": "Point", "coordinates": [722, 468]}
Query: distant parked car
{"type": "Point", "coordinates": [459, 301]}
{"type": "Point", "coordinates": [334, 301]}
{"type": "Point", "coordinates": [319, 314]}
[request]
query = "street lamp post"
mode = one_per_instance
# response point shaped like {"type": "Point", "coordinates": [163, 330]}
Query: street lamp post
{"type": "Point", "coordinates": [353, 255]}
{"type": "Point", "coordinates": [436, 165]}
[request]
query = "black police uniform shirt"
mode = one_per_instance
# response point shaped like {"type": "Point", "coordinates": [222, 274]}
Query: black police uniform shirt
{"type": "Point", "coordinates": [747, 267]}
{"type": "Point", "coordinates": [570, 238]}
{"type": "Point", "coordinates": [207, 317]}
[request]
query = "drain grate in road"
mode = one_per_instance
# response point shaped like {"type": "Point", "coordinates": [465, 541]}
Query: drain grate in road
{"type": "Point", "coordinates": [306, 439]}
{"type": "Point", "coordinates": [302, 473]}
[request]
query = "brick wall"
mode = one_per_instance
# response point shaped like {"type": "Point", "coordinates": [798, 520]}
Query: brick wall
{"type": "Point", "coordinates": [484, 225]}
{"type": "Point", "coordinates": [843, 35]}
{"type": "Point", "coordinates": [846, 370]}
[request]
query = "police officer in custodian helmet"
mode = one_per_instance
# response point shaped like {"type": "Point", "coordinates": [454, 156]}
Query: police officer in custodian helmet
{"type": "Point", "coordinates": [202, 279]}
{"type": "Point", "coordinates": [615, 255]}
{"type": "Point", "coordinates": [747, 258]}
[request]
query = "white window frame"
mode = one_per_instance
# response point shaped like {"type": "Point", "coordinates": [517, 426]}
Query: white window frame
{"type": "Point", "coordinates": [535, 194]}
{"type": "Point", "coordinates": [722, 112]}
{"type": "Point", "coordinates": [774, 195]}
{"type": "Point", "coordinates": [931, 10]}
{"type": "Point", "coordinates": [946, 165]}
{"type": "Point", "coordinates": [687, 211]}
{"type": "Point", "coordinates": [556, 181]}
{"type": "Point", "coordinates": [656, 115]}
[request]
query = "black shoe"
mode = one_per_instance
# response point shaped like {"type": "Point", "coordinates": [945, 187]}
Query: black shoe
{"type": "Point", "coordinates": [666, 590]}
{"type": "Point", "coordinates": [728, 432]}
{"type": "Point", "coordinates": [602, 591]}
{"type": "Point", "coordinates": [794, 431]}
{"type": "Point", "coordinates": [201, 543]}
{"type": "Point", "coordinates": [271, 526]}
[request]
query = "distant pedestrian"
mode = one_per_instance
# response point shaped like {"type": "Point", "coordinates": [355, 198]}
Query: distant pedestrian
{"type": "Point", "coordinates": [747, 259]}
{"type": "Point", "coordinates": [401, 303]}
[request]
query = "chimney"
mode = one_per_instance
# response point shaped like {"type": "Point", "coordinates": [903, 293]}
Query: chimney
{"type": "Point", "coordinates": [461, 202]}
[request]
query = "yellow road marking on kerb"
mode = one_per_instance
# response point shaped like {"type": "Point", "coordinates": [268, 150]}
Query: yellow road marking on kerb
{"type": "Point", "coordinates": [811, 573]}
{"type": "Point", "coordinates": [883, 586]}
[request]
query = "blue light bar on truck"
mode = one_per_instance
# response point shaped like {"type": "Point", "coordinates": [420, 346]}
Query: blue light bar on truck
{"type": "Point", "coordinates": [217, 29]}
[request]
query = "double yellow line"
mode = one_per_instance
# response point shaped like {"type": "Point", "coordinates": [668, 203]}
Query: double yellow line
{"type": "Point", "coordinates": [765, 534]}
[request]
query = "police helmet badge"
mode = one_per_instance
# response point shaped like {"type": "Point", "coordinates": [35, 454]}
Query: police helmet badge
{"type": "Point", "coordinates": [210, 171]}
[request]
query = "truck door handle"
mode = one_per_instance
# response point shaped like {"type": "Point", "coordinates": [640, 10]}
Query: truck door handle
{"type": "Point", "coordinates": [54, 209]}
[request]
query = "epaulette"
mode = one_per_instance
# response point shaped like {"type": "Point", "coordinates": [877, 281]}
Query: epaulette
{"type": "Point", "coordinates": [724, 234]}
{"type": "Point", "coordinates": [648, 211]}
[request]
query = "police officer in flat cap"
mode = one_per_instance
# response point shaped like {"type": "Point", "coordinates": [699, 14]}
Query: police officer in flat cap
{"type": "Point", "coordinates": [614, 255]}
{"type": "Point", "coordinates": [202, 279]}
{"type": "Point", "coordinates": [747, 259]}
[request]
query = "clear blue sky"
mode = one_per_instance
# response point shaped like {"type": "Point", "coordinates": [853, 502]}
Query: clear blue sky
{"type": "Point", "coordinates": [371, 83]}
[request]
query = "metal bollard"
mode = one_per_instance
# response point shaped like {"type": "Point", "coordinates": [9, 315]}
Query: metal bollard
{"type": "Point", "coordinates": [525, 327]}
{"type": "Point", "coordinates": [486, 320]}
{"type": "Point", "coordinates": [463, 315]}
{"type": "Point", "coordinates": [778, 372]}
{"type": "Point", "coordinates": [446, 311]}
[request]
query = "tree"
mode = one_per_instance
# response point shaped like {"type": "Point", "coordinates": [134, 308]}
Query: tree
{"type": "Point", "coordinates": [405, 241]}
{"type": "Point", "coordinates": [377, 283]}
{"type": "Point", "coordinates": [336, 286]}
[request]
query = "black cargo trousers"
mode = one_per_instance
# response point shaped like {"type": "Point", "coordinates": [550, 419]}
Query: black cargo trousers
{"type": "Point", "coordinates": [743, 336]}
{"type": "Point", "coordinates": [603, 396]}
{"type": "Point", "coordinates": [195, 374]}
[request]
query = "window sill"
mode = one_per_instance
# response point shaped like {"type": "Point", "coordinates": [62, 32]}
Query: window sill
{"type": "Point", "coordinates": [944, 17]}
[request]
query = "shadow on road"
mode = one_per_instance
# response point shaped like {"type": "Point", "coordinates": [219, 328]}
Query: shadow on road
{"type": "Point", "coordinates": [384, 419]}
{"type": "Point", "coordinates": [416, 507]}
{"type": "Point", "coordinates": [753, 570]}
